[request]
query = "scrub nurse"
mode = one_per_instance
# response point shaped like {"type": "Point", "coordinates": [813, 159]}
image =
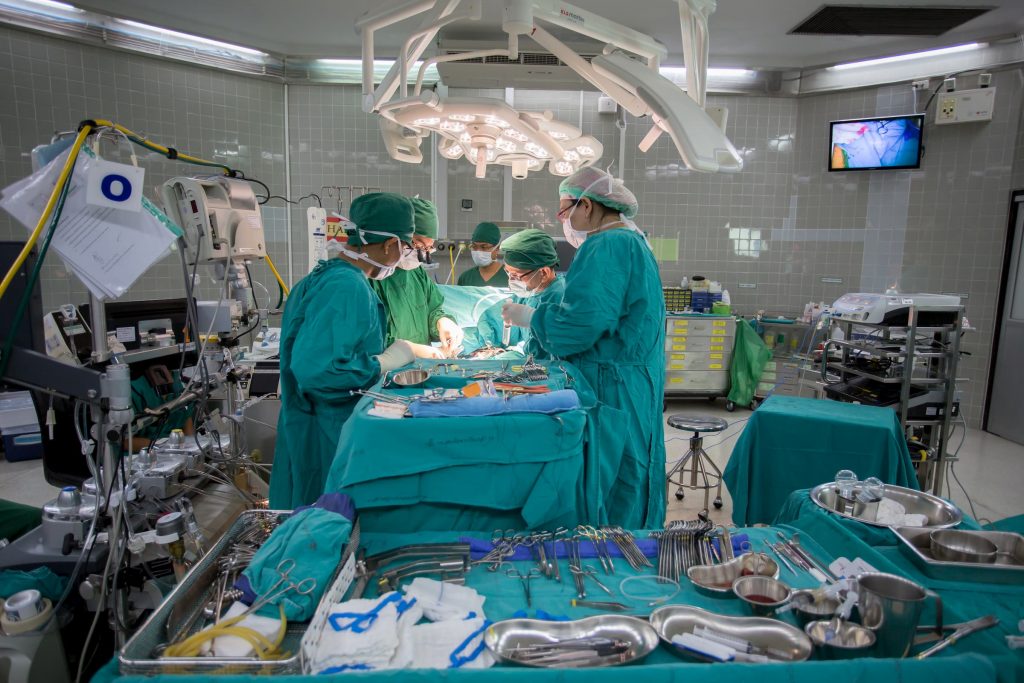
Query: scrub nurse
{"type": "Point", "coordinates": [332, 341]}
{"type": "Point", "coordinates": [486, 270]}
{"type": "Point", "coordinates": [414, 304]}
{"type": "Point", "coordinates": [611, 324]}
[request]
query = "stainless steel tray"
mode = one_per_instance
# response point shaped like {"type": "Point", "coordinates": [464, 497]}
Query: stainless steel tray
{"type": "Point", "coordinates": [1009, 570]}
{"type": "Point", "coordinates": [138, 656]}
{"type": "Point", "coordinates": [941, 514]}
{"type": "Point", "coordinates": [765, 633]}
{"type": "Point", "coordinates": [512, 633]}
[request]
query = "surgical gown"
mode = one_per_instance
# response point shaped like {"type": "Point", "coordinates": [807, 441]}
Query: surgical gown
{"type": "Point", "coordinates": [490, 326]}
{"type": "Point", "coordinates": [611, 324]}
{"type": "Point", "coordinates": [333, 327]}
{"type": "Point", "coordinates": [473, 278]}
{"type": "Point", "coordinates": [413, 304]}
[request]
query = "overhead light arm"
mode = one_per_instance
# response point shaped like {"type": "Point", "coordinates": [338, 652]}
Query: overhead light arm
{"type": "Point", "coordinates": [425, 36]}
{"type": "Point", "coordinates": [512, 53]}
{"type": "Point", "coordinates": [693, 20]}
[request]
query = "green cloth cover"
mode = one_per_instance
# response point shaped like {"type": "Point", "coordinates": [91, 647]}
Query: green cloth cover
{"type": "Point", "coordinates": [749, 356]}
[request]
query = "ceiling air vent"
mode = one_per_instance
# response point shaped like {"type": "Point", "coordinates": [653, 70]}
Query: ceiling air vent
{"type": "Point", "coordinates": [886, 20]}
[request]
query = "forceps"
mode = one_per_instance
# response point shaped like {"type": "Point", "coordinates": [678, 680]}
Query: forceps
{"type": "Point", "coordinates": [586, 571]}
{"type": "Point", "coordinates": [284, 569]}
{"type": "Point", "coordinates": [524, 579]}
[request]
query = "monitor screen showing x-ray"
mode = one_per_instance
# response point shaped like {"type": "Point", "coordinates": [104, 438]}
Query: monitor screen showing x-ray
{"type": "Point", "coordinates": [893, 142]}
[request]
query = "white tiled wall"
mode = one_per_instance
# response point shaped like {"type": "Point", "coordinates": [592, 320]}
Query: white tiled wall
{"type": "Point", "coordinates": [937, 229]}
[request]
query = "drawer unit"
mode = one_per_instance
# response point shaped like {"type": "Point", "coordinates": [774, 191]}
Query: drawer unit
{"type": "Point", "coordinates": [701, 327]}
{"type": "Point", "coordinates": [674, 362]}
{"type": "Point", "coordinates": [699, 344]}
{"type": "Point", "coordinates": [697, 382]}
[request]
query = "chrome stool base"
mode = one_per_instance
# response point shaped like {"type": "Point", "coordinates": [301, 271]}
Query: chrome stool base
{"type": "Point", "coordinates": [697, 465]}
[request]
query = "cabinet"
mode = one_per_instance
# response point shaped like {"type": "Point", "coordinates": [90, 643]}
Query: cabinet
{"type": "Point", "coordinates": [698, 351]}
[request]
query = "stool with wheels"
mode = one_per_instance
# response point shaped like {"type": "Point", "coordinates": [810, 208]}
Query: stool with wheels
{"type": "Point", "coordinates": [697, 464]}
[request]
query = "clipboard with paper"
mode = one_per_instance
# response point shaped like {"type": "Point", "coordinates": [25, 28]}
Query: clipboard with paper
{"type": "Point", "coordinates": [106, 246]}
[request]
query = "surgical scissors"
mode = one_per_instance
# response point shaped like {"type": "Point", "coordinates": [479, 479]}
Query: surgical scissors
{"type": "Point", "coordinates": [524, 579]}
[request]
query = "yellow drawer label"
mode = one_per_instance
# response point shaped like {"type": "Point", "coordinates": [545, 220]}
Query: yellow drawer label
{"type": "Point", "coordinates": [715, 366]}
{"type": "Point", "coordinates": [716, 356]}
{"type": "Point", "coordinates": [675, 380]}
{"type": "Point", "coordinates": [719, 323]}
{"type": "Point", "coordinates": [717, 348]}
{"type": "Point", "coordinates": [679, 347]}
{"type": "Point", "coordinates": [678, 339]}
{"type": "Point", "coordinates": [678, 356]}
{"type": "Point", "coordinates": [717, 340]}
{"type": "Point", "coordinates": [677, 366]}
{"type": "Point", "coordinates": [680, 323]}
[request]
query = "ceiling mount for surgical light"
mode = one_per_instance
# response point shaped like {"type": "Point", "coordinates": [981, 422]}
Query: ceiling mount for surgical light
{"type": "Point", "coordinates": [488, 131]}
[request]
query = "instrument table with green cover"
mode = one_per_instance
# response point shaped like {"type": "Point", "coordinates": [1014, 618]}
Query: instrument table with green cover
{"type": "Point", "coordinates": [793, 443]}
{"type": "Point", "coordinates": [519, 470]}
{"type": "Point", "coordinates": [970, 659]}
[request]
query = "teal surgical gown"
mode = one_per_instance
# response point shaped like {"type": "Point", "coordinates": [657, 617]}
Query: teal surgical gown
{"type": "Point", "coordinates": [413, 304]}
{"type": "Point", "coordinates": [611, 324]}
{"type": "Point", "coordinates": [491, 326]}
{"type": "Point", "coordinates": [333, 327]}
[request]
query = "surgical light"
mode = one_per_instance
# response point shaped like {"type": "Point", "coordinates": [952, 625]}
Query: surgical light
{"type": "Point", "coordinates": [907, 57]}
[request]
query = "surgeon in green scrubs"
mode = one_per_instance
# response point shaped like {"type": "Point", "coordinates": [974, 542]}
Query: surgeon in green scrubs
{"type": "Point", "coordinates": [332, 342]}
{"type": "Point", "coordinates": [412, 301]}
{"type": "Point", "coordinates": [486, 270]}
{"type": "Point", "coordinates": [530, 260]}
{"type": "Point", "coordinates": [611, 324]}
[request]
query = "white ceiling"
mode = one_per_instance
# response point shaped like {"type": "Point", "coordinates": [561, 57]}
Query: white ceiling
{"type": "Point", "coordinates": [744, 33]}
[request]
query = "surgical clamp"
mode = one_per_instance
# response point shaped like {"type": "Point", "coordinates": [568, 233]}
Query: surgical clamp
{"type": "Point", "coordinates": [524, 579]}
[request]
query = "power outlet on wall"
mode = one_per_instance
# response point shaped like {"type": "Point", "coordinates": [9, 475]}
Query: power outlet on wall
{"type": "Point", "coordinates": [946, 110]}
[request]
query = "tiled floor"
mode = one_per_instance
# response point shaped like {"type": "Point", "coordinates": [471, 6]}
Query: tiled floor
{"type": "Point", "coordinates": [990, 468]}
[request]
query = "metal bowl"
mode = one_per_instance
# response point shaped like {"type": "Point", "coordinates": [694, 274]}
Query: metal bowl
{"type": "Point", "coordinates": [808, 609]}
{"type": "Point", "coordinates": [953, 545]}
{"type": "Point", "coordinates": [849, 641]}
{"type": "Point", "coordinates": [505, 636]}
{"type": "Point", "coordinates": [410, 378]}
{"type": "Point", "coordinates": [762, 593]}
{"type": "Point", "coordinates": [717, 578]}
{"type": "Point", "coordinates": [784, 642]}
{"type": "Point", "coordinates": [940, 514]}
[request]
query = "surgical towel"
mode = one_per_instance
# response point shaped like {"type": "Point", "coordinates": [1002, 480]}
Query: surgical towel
{"type": "Point", "coordinates": [233, 646]}
{"type": "Point", "coordinates": [449, 645]}
{"type": "Point", "coordinates": [313, 540]}
{"type": "Point", "coordinates": [365, 634]}
{"type": "Point", "coordinates": [553, 402]}
{"type": "Point", "coordinates": [445, 601]}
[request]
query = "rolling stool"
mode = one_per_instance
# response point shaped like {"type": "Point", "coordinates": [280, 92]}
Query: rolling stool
{"type": "Point", "coordinates": [697, 458]}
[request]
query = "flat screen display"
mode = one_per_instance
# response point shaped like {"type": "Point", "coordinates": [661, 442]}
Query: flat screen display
{"type": "Point", "coordinates": [891, 142]}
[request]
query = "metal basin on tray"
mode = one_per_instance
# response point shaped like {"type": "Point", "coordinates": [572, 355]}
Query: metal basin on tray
{"type": "Point", "coordinates": [504, 637]}
{"type": "Point", "coordinates": [940, 514]}
{"type": "Point", "coordinates": [784, 642]}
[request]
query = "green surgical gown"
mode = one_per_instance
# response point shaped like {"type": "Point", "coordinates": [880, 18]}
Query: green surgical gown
{"type": "Point", "coordinates": [413, 304]}
{"type": "Point", "coordinates": [611, 324]}
{"type": "Point", "coordinates": [333, 327]}
{"type": "Point", "coordinates": [473, 278]}
{"type": "Point", "coordinates": [144, 396]}
{"type": "Point", "coordinates": [491, 326]}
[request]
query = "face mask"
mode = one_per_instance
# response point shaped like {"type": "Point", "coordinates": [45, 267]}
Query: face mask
{"type": "Point", "coordinates": [383, 271]}
{"type": "Point", "coordinates": [522, 288]}
{"type": "Point", "coordinates": [482, 258]}
{"type": "Point", "coordinates": [410, 261]}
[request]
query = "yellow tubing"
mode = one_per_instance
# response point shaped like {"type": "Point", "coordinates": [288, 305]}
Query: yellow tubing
{"type": "Point", "coordinates": [47, 210]}
{"type": "Point", "coordinates": [264, 648]}
{"type": "Point", "coordinates": [273, 269]}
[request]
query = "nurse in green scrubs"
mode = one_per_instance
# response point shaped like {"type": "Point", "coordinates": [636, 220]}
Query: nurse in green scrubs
{"type": "Point", "coordinates": [486, 270]}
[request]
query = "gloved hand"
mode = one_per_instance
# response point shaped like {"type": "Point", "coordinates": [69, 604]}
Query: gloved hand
{"type": "Point", "coordinates": [425, 351]}
{"type": "Point", "coordinates": [450, 334]}
{"type": "Point", "coordinates": [519, 315]}
{"type": "Point", "coordinates": [395, 356]}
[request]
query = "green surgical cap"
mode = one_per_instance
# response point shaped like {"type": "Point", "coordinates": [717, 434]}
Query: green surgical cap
{"type": "Point", "coordinates": [382, 215]}
{"type": "Point", "coordinates": [488, 233]}
{"type": "Point", "coordinates": [529, 249]}
{"type": "Point", "coordinates": [601, 187]}
{"type": "Point", "coordinates": [425, 217]}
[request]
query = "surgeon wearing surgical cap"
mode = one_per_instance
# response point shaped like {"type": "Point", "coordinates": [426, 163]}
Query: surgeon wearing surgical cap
{"type": "Point", "coordinates": [530, 261]}
{"type": "Point", "coordinates": [486, 270]}
{"type": "Point", "coordinates": [611, 324]}
{"type": "Point", "coordinates": [412, 301]}
{"type": "Point", "coordinates": [332, 342]}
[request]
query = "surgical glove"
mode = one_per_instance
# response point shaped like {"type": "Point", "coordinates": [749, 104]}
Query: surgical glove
{"type": "Point", "coordinates": [450, 334]}
{"type": "Point", "coordinates": [519, 315]}
{"type": "Point", "coordinates": [395, 356]}
{"type": "Point", "coordinates": [425, 351]}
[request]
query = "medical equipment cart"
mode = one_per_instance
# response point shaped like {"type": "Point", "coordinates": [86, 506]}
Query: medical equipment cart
{"type": "Point", "coordinates": [790, 371]}
{"type": "Point", "coordinates": [698, 351]}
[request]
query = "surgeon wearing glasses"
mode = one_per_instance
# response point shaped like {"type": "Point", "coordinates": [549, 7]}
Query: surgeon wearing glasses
{"type": "Point", "coordinates": [332, 342]}
{"type": "Point", "coordinates": [610, 323]}
{"type": "Point", "coordinates": [412, 301]}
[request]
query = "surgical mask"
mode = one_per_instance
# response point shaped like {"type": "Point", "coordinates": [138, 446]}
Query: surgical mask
{"type": "Point", "coordinates": [520, 288]}
{"type": "Point", "coordinates": [410, 260]}
{"type": "Point", "coordinates": [383, 271]}
{"type": "Point", "coordinates": [572, 235]}
{"type": "Point", "coordinates": [482, 258]}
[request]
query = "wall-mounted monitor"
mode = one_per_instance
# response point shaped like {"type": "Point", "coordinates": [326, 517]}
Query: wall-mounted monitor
{"type": "Point", "coordinates": [885, 143]}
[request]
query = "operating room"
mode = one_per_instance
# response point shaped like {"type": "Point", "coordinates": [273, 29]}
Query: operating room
{"type": "Point", "coordinates": [511, 335]}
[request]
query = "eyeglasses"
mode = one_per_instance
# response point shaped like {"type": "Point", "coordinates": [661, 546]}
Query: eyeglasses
{"type": "Point", "coordinates": [520, 278]}
{"type": "Point", "coordinates": [561, 214]}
